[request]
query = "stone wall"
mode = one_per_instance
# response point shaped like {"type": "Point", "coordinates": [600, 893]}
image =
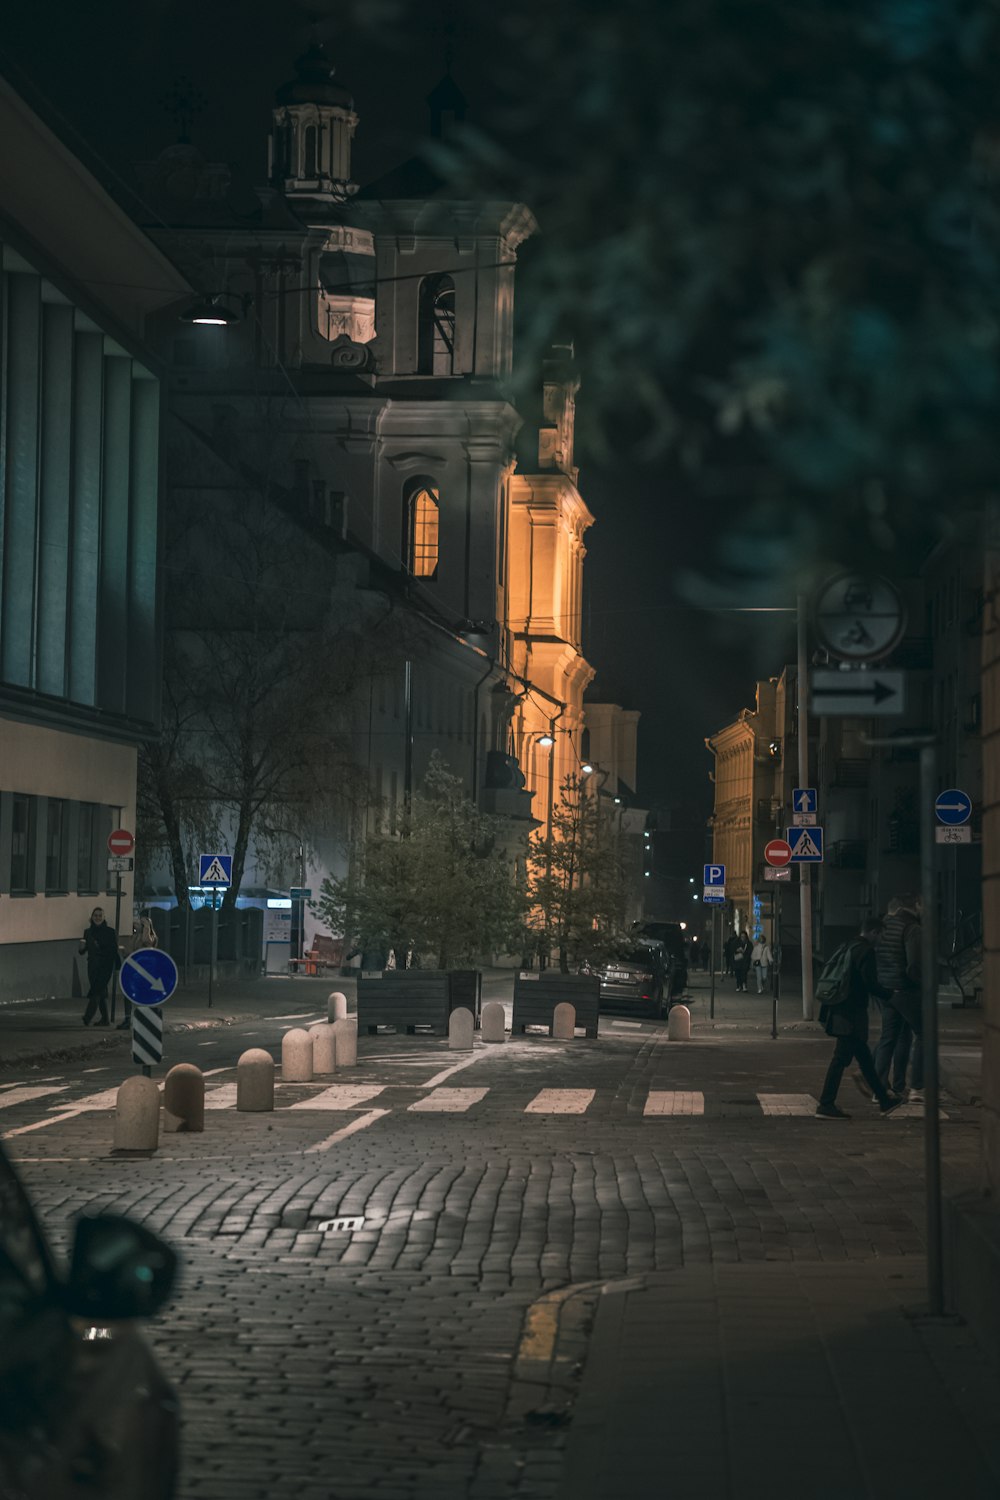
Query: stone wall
{"type": "Point", "coordinates": [991, 861]}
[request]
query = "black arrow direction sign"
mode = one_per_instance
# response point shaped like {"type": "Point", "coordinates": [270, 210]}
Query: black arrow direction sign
{"type": "Point", "coordinates": [858, 693]}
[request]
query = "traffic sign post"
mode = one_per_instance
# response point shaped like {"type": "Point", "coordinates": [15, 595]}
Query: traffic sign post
{"type": "Point", "coordinates": [121, 842]}
{"type": "Point", "coordinates": [953, 807]}
{"type": "Point", "coordinates": [860, 618]}
{"type": "Point", "coordinates": [778, 852]}
{"type": "Point", "coordinates": [858, 694]}
{"type": "Point", "coordinates": [945, 835]}
{"type": "Point", "coordinates": [715, 875]}
{"type": "Point", "coordinates": [216, 872]}
{"type": "Point", "coordinates": [148, 978]}
{"type": "Point", "coordinates": [806, 846]}
{"type": "Point", "coordinates": [805, 799]}
{"type": "Point", "coordinates": [772, 872]}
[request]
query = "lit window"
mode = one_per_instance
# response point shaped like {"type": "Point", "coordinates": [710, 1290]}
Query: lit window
{"type": "Point", "coordinates": [422, 527]}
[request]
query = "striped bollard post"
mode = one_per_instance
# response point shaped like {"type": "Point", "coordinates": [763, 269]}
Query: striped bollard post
{"type": "Point", "coordinates": [147, 1036]}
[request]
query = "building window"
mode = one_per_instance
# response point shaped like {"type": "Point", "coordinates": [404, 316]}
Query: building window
{"type": "Point", "coordinates": [436, 335]}
{"type": "Point", "coordinates": [309, 152]}
{"type": "Point", "coordinates": [88, 847]}
{"type": "Point", "coordinates": [24, 814]}
{"type": "Point", "coordinates": [422, 527]}
{"type": "Point", "coordinates": [56, 846]}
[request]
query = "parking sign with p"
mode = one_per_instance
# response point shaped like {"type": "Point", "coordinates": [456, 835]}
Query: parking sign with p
{"type": "Point", "coordinates": [715, 875]}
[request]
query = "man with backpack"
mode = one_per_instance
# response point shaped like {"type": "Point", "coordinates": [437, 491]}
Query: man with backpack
{"type": "Point", "coordinates": [843, 988]}
{"type": "Point", "coordinates": [897, 959]}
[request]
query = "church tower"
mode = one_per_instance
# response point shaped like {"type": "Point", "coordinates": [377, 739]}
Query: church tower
{"type": "Point", "coordinates": [309, 151]}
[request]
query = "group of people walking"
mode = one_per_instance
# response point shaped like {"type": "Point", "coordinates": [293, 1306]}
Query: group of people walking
{"type": "Point", "coordinates": [744, 955]}
{"type": "Point", "coordinates": [882, 962]}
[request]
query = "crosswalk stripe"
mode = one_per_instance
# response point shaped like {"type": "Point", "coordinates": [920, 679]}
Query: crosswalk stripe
{"type": "Point", "coordinates": [221, 1097]}
{"type": "Point", "coordinates": [787, 1104]}
{"type": "Point", "coordinates": [342, 1096]}
{"type": "Point", "coordinates": [671, 1102]}
{"type": "Point", "coordinates": [560, 1102]}
{"type": "Point", "coordinates": [449, 1101]}
{"type": "Point", "coordinates": [25, 1095]}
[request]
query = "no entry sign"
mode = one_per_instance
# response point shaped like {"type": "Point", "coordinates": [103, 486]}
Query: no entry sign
{"type": "Point", "coordinates": [778, 852]}
{"type": "Point", "coordinates": [121, 841]}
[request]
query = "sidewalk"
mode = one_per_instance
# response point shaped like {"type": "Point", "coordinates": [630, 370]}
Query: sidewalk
{"type": "Point", "coordinates": [35, 1032]}
{"type": "Point", "coordinates": [960, 1028]}
{"type": "Point", "coordinates": [772, 1382]}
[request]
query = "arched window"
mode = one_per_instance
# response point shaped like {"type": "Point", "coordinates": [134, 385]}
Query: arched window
{"type": "Point", "coordinates": [309, 152]}
{"type": "Point", "coordinates": [422, 529]}
{"type": "Point", "coordinates": [436, 343]}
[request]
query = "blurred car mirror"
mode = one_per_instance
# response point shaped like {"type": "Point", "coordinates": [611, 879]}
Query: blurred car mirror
{"type": "Point", "coordinates": [118, 1270]}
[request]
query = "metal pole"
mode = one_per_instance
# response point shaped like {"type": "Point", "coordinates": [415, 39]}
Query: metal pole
{"type": "Point", "coordinates": [802, 735]}
{"type": "Point", "coordinates": [774, 970]}
{"type": "Point", "coordinates": [213, 947]}
{"type": "Point", "coordinates": [118, 918]}
{"type": "Point", "coordinates": [929, 988]}
{"type": "Point", "coordinates": [711, 993]}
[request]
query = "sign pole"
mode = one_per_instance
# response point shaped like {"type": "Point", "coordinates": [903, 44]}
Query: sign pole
{"type": "Point", "coordinates": [213, 946]}
{"type": "Point", "coordinates": [802, 734]}
{"type": "Point", "coordinates": [774, 967]}
{"type": "Point", "coordinates": [929, 986]}
{"type": "Point", "coordinates": [711, 993]}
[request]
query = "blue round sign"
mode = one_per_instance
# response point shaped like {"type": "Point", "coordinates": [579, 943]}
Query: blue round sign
{"type": "Point", "coordinates": [953, 806]}
{"type": "Point", "coordinates": [148, 976]}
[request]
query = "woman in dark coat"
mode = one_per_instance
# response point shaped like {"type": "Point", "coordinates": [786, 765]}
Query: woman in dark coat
{"type": "Point", "coordinates": [100, 943]}
{"type": "Point", "coordinates": [741, 960]}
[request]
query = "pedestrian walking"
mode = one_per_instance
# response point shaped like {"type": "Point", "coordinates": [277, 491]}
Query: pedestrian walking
{"type": "Point", "coordinates": [847, 981]}
{"type": "Point", "coordinates": [100, 944]}
{"type": "Point", "coordinates": [728, 951]}
{"type": "Point", "coordinates": [741, 961]}
{"type": "Point", "coordinates": [761, 960]}
{"type": "Point", "coordinates": [143, 936]}
{"type": "Point", "coordinates": [897, 961]}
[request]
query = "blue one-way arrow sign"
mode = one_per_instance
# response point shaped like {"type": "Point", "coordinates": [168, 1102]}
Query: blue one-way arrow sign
{"type": "Point", "coordinates": [148, 976]}
{"type": "Point", "coordinates": [804, 799]}
{"type": "Point", "coordinates": [953, 806]}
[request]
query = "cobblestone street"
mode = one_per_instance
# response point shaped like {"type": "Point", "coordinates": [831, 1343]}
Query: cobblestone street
{"type": "Point", "coordinates": [436, 1347]}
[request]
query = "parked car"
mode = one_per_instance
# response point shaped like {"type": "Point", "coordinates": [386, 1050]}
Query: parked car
{"type": "Point", "coordinates": [84, 1408]}
{"type": "Point", "coordinates": [634, 979]}
{"type": "Point", "coordinates": [669, 936]}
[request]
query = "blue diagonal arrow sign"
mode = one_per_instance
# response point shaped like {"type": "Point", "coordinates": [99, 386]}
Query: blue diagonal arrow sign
{"type": "Point", "coordinates": [953, 806]}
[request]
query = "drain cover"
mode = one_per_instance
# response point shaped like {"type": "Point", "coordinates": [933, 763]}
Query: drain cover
{"type": "Point", "coordinates": [340, 1226]}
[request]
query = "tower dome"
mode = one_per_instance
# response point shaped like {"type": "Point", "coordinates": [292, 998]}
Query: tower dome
{"type": "Point", "coordinates": [313, 124]}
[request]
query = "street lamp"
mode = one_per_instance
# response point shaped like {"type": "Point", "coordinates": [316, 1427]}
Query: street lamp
{"type": "Point", "coordinates": [209, 311]}
{"type": "Point", "coordinates": [586, 769]}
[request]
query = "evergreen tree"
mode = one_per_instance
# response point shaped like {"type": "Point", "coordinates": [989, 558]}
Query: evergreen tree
{"type": "Point", "coordinates": [577, 888]}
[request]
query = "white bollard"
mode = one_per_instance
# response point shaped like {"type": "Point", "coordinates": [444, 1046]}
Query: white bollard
{"type": "Point", "coordinates": [346, 1033]}
{"type": "Point", "coordinates": [184, 1098]}
{"type": "Point", "coordinates": [324, 1040]}
{"type": "Point", "coordinates": [679, 1024]}
{"type": "Point", "coordinates": [255, 1081]}
{"type": "Point", "coordinates": [461, 1029]}
{"type": "Point", "coordinates": [296, 1056]}
{"type": "Point", "coordinates": [336, 1007]}
{"type": "Point", "coordinates": [494, 1022]}
{"type": "Point", "coordinates": [137, 1115]}
{"type": "Point", "coordinates": [564, 1022]}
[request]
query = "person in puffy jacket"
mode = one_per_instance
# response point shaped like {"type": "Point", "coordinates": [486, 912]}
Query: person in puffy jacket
{"type": "Point", "coordinates": [897, 964]}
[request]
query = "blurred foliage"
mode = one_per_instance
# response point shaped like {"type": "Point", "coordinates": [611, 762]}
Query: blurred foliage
{"type": "Point", "coordinates": [771, 228]}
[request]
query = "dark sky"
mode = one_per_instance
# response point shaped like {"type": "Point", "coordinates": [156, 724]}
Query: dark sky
{"type": "Point", "coordinates": [108, 66]}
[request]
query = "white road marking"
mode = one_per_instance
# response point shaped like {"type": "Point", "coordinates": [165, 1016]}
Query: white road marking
{"type": "Point", "coordinates": [302, 1016]}
{"type": "Point", "coordinates": [211, 1072]}
{"type": "Point", "coordinates": [342, 1096]}
{"type": "Point", "coordinates": [222, 1097]}
{"type": "Point", "coordinates": [449, 1101]}
{"type": "Point", "coordinates": [40, 1124]}
{"type": "Point", "coordinates": [361, 1123]}
{"type": "Point", "coordinates": [632, 1025]}
{"type": "Point", "coordinates": [466, 1062]}
{"type": "Point", "coordinates": [670, 1102]}
{"type": "Point", "coordinates": [560, 1102]}
{"type": "Point", "coordinates": [787, 1104]}
{"type": "Point", "coordinates": [23, 1095]}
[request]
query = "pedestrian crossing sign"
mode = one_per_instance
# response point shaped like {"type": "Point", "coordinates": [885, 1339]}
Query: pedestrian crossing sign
{"type": "Point", "coordinates": [806, 844]}
{"type": "Point", "coordinates": [215, 869]}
